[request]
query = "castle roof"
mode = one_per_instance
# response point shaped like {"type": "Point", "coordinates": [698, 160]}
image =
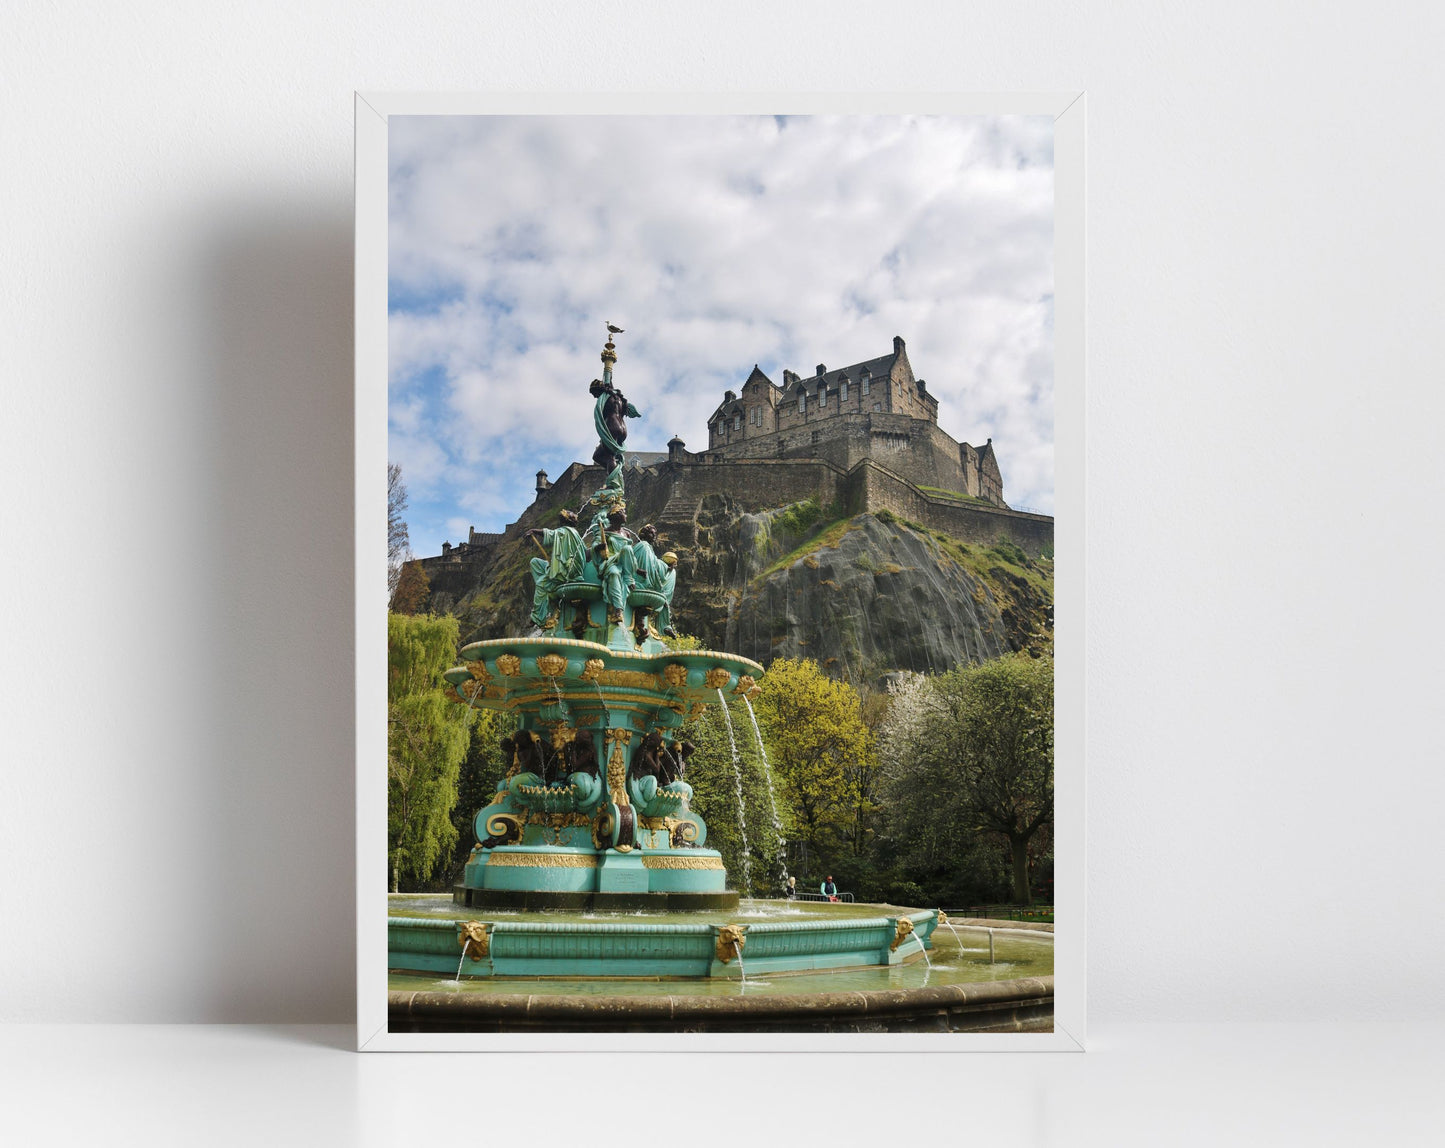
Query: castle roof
{"type": "Point", "coordinates": [874, 367]}
{"type": "Point", "coordinates": [643, 458]}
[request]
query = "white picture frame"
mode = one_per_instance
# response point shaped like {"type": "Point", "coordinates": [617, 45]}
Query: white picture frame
{"type": "Point", "coordinates": [373, 111]}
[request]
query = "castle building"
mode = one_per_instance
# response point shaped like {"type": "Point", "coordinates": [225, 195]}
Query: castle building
{"type": "Point", "coordinates": [875, 409]}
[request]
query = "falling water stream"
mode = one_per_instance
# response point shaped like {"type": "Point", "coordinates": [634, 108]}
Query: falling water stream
{"type": "Point", "coordinates": [738, 785]}
{"type": "Point", "coordinates": [782, 853]}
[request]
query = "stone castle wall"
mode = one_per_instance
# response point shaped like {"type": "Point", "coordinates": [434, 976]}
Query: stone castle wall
{"type": "Point", "coordinates": [672, 493]}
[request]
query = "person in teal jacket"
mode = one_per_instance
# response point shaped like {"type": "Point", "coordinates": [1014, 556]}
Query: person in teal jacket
{"type": "Point", "coordinates": [828, 889]}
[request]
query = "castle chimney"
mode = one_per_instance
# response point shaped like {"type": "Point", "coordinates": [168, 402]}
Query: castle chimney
{"type": "Point", "coordinates": [729, 396]}
{"type": "Point", "coordinates": [789, 377]}
{"type": "Point", "coordinates": [898, 344]}
{"type": "Point", "coordinates": [822, 370]}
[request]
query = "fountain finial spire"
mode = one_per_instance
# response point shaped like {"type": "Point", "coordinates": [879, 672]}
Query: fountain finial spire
{"type": "Point", "coordinates": [609, 353]}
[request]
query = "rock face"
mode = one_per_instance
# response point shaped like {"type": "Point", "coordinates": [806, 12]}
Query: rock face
{"type": "Point", "coordinates": [863, 596]}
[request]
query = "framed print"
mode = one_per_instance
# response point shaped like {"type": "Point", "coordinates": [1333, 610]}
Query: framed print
{"type": "Point", "coordinates": [720, 615]}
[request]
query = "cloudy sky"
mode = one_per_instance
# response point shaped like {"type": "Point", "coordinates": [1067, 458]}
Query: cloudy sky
{"type": "Point", "coordinates": [717, 242]}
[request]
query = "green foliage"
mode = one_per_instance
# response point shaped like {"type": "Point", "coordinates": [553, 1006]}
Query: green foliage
{"type": "Point", "coordinates": [797, 518]}
{"type": "Point", "coordinates": [825, 766]}
{"type": "Point", "coordinates": [1011, 552]}
{"type": "Point", "coordinates": [426, 741]}
{"type": "Point", "coordinates": [682, 643]}
{"type": "Point", "coordinates": [826, 536]}
{"type": "Point", "coordinates": [971, 768]}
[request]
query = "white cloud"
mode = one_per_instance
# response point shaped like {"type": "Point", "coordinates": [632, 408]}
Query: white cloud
{"type": "Point", "coordinates": [717, 243]}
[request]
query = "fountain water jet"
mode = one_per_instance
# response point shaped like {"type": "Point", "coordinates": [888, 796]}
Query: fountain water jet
{"type": "Point", "coordinates": [738, 786]}
{"type": "Point", "coordinates": [782, 850]}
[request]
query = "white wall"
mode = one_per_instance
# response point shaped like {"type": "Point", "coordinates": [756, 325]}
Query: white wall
{"type": "Point", "coordinates": [1265, 393]}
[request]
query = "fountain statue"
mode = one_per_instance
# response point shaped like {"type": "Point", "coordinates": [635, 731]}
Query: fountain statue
{"type": "Point", "coordinates": [593, 812]}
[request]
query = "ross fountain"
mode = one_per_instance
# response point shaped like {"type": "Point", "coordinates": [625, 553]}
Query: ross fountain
{"type": "Point", "coordinates": [593, 815]}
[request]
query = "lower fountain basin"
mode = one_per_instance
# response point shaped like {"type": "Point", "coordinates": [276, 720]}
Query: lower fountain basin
{"type": "Point", "coordinates": [834, 979]}
{"type": "Point", "coordinates": [964, 983]}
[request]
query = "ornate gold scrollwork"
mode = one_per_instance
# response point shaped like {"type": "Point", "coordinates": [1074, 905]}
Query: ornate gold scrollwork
{"type": "Point", "coordinates": [698, 708]}
{"type": "Point", "coordinates": [904, 928]}
{"type": "Point", "coordinates": [745, 683]}
{"type": "Point", "coordinates": [717, 677]}
{"type": "Point", "coordinates": [476, 939]}
{"type": "Point", "coordinates": [509, 665]}
{"type": "Point", "coordinates": [479, 671]}
{"type": "Point", "coordinates": [942, 917]}
{"type": "Point", "coordinates": [674, 674]}
{"type": "Point", "coordinates": [545, 860]}
{"type": "Point", "coordinates": [730, 940]}
{"type": "Point", "coordinates": [632, 679]}
{"type": "Point", "coordinates": [617, 764]}
{"type": "Point", "coordinates": [591, 669]}
{"type": "Point", "coordinates": [653, 861]}
{"type": "Point", "coordinates": [551, 665]}
{"type": "Point", "coordinates": [507, 826]}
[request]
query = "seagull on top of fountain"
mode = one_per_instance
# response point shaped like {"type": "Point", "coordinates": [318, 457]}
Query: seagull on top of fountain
{"type": "Point", "coordinates": [611, 330]}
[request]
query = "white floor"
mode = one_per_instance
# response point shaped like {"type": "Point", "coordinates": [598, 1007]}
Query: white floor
{"type": "Point", "coordinates": [1152, 1085]}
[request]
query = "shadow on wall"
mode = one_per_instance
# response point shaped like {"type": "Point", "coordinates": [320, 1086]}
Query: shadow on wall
{"type": "Point", "coordinates": [275, 647]}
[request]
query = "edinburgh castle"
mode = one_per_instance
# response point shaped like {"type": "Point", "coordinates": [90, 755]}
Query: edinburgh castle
{"type": "Point", "coordinates": [862, 438]}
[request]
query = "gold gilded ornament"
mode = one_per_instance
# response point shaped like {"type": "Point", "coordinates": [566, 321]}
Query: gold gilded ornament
{"type": "Point", "coordinates": [509, 665]}
{"type": "Point", "coordinates": [675, 675]}
{"type": "Point", "coordinates": [716, 678]}
{"type": "Point", "coordinates": [904, 928]}
{"type": "Point", "coordinates": [730, 941]}
{"type": "Point", "coordinates": [592, 668]}
{"type": "Point", "coordinates": [551, 665]}
{"type": "Point", "coordinates": [476, 940]}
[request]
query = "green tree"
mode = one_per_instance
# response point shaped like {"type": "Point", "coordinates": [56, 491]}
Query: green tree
{"type": "Point", "coordinates": [822, 755]}
{"type": "Point", "coordinates": [412, 590]}
{"type": "Point", "coordinates": [972, 753]}
{"type": "Point", "coordinates": [426, 741]}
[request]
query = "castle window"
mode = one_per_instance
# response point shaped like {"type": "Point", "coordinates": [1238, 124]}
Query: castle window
{"type": "Point", "coordinates": [822, 397]}
{"type": "Point", "coordinates": [802, 402]}
{"type": "Point", "coordinates": [877, 406]}
{"type": "Point", "coordinates": [737, 422]}
{"type": "Point", "coordinates": [816, 436]}
{"type": "Point", "coordinates": [843, 392]}
{"type": "Point", "coordinates": [866, 382]}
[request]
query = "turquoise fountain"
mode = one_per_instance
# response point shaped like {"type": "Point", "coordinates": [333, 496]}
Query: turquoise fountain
{"type": "Point", "coordinates": [592, 818]}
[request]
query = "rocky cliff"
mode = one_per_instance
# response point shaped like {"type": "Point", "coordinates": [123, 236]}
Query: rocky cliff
{"type": "Point", "coordinates": [863, 595]}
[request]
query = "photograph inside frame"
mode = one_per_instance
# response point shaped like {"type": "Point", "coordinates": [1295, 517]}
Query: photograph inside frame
{"type": "Point", "coordinates": [720, 685]}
